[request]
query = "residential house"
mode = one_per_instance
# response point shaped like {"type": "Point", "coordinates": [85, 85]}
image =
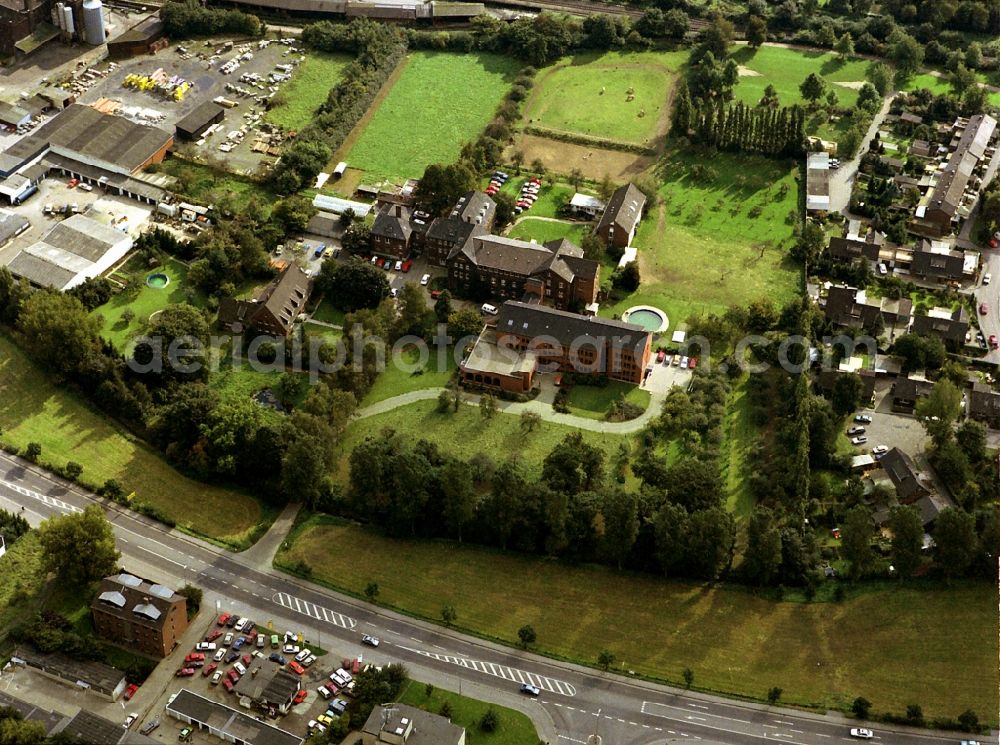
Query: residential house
{"type": "Point", "coordinates": [851, 249]}
{"type": "Point", "coordinates": [817, 182]}
{"type": "Point", "coordinates": [947, 203]}
{"type": "Point", "coordinates": [905, 476]}
{"type": "Point", "coordinates": [391, 231]}
{"type": "Point", "coordinates": [399, 724]}
{"type": "Point", "coordinates": [555, 272]}
{"type": "Point", "coordinates": [136, 613]}
{"type": "Point", "coordinates": [920, 148]}
{"type": "Point", "coordinates": [943, 265]}
{"type": "Point", "coordinates": [851, 308]}
{"type": "Point", "coordinates": [621, 217]}
{"type": "Point", "coordinates": [274, 311]}
{"type": "Point", "coordinates": [472, 215]}
{"type": "Point", "coordinates": [984, 405]}
{"type": "Point", "coordinates": [827, 379]}
{"type": "Point", "coordinates": [906, 392]}
{"type": "Point", "coordinates": [556, 340]}
{"type": "Point", "coordinates": [950, 327]}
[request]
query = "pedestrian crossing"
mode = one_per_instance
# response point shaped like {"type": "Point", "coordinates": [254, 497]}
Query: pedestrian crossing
{"type": "Point", "coordinates": [45, 499]}
{"type": "Point", "coordinates": [314, 611]}
{"type": "Point", "coordinates": [545, 683]}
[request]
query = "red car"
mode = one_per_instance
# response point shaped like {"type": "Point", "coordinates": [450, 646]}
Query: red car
{"type": "Point", "coordinates": [406, 265]}
{"type": "Point", "coordinates": [223, 618]}
{"type": "Point", "coordinates": [233, 675]}
{"type": "Point", "coordinates": [296, 668]}
{"type": "Point", "coordinates": [72, 183]}
{"type": "Point", "coordinates": [692, 363]}
{"type": "Point", "coordinates": [435, 294]}
{"type": "Point", "coordinates": [247, 659]}
{"type": "Point", "coordinates": [380, 262]}
{"type": "Point", "coordinates": [300, 697]}
{"type": "Point", "coordinates": [195, 657]}
{"type": "Point", "coordinates": [185, 672]}
{"type": "Point", "coordinates": [228, 684]}
{"type": "Point", "coordinates": [993, 342]}
{"type": "Point", "coordinates": [660, 356]}
{"type": "Point", "coordinates": [983, 309]}
{"type": "Point", "coordinates": [130, 691]}
{"type": "Point", "coordinates": [213, 635]}
{"type": "Point", "coordinates": [209, 669]}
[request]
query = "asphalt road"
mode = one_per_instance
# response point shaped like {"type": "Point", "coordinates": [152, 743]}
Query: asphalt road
{"type": "Point", "coordinates": [575, 703]}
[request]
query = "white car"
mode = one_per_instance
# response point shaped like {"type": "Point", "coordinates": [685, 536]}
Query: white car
{"type": "Point", "coordinates": [303, 654]}
{"type": "Point", "coordinates": [241, 624]}
{"type": "Point", "coordinates": [85, 187]}
{"type": "Point", "coordinates": [290, 649]}
{"type": "Point", "coordinates": [324, 692]}
{"type": "Point", "coordinates": [219, 655]}
{"type": "Point", "coordinates": [880, 450]}
{"type": "Point", "coordinates": [371, 641]}
{"type": "Point", "coordinates": [238, 667]}
{"type": "Point", "coordinates": [309, 660]}
{"type": "Point", "coordinates": [228, 639]}
{"type": "Point", "coordinates": [861, 733]}
{"type": "Point", "coordinates": [986, 278]}
{"type": "Point", "coordinates": [425, 280]}
{"type": "Point", "coordinates": [399, 265]}
{"type": "Point", "coordinates": [205, 646]}
{"type": "Point", "coordinates": [216, 677]}
{"type": "Point", "coordinates": [129, 719]}
{"type": "Point", "coordinates": [859, 440]}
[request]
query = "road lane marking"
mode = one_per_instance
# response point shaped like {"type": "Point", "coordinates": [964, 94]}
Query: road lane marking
{"type": "Point", "coordinates": [312, 610]}
{"type": "Point", "coordinates": [43, 498]}
{"type": "Point", "coordinates": [500, 671]}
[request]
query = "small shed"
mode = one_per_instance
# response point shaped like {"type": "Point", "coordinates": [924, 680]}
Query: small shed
{"type": "Point", "coordinates": [339, 171]}
{"type": "Point", "coordinates": [194, 125]}
{"type": "Point", "coordinates": [586, 204]}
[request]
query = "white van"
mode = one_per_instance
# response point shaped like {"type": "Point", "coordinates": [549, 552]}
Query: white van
{"type": "Point", "coordinates": [490, 309]}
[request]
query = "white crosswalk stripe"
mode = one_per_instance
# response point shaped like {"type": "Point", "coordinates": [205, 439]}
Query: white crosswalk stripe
{"type": "Point", "coordinates": [314, 611]}
{"type": "Point", "coordinates": [45, 499]}
{"type": "Point", "coordinates": [502, 671]}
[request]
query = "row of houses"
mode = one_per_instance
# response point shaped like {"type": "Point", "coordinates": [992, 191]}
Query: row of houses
{"type": "Point", "coordinates": [930, 261]}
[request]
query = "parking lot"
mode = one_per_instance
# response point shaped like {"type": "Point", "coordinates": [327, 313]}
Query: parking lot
{"type": "Point", "coordinates": [891, 429]}
{"type": "Point", "coordinates": [202, 68]}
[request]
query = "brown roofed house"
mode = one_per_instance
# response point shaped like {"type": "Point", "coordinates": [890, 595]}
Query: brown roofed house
{"type": "Point", "coordinates": [136, 613]}
{"type": "Point", "coordinates": [906, 392]}
{"type": "Point", "coordinates": [904, 475]}
{"type": "Point", "coordinates": [391, 231]}
{"type": "Point", "coordinates": [274, 311]}
{"type": "Point", "coordinates": [473, 214]}
{"type": "Point", "coordinates": [984, 405]}
{"type": "Point", "coordinates": [951, 328]}
{"type": "Point", "coordinates": [846, 249]}
{"type": "Point", "coordinates": [621, 217]}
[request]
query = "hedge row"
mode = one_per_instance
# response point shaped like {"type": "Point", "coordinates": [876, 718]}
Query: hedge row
{"type": "Point", "coordinates": [579, 139]}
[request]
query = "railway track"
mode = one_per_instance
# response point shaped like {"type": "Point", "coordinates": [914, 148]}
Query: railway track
{"type": "Point", "coordinates": [579, 7]}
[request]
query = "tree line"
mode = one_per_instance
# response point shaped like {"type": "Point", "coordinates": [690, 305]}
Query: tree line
{"type": "Point", "coordinates": [190, 18]}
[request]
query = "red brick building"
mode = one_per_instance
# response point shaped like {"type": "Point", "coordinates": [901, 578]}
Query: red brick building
{"type": "Point", "coordinates": [132, 612]}
{"type": "Point", "coordinates": [621, 217]}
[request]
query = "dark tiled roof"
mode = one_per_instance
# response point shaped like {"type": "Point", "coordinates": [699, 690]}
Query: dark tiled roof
{"type": "Point", "coordinates": [390, 225]}
{"type": "Point", "coordinates": [525, 319]}
{"type": "Point", "coordinates": [624, 209]}
{"type": "Point", "coordinates": [932, 264]}
{"type": "Point", "coordinates": [148, 29]}
{"type": "Point", "coordinates": [984, 403]}
{"type": "Point", "coordinates": [11, 223]}
{"type": "Point", "coordinates": [88, 727]}
{"type": "Point", "coordinates": [953, 328]}
{"type": "Point", "coordinates": [845, 249]}
{"type": "Point", "coordinates": [903, 473]}
{"type": "Point", "coordinates": [133, 599]}
{"type": "Point", "coordinates": [200, 117]}
{"type": "Point", "coordinates": [98, 675]}
{"type": "Point", "coordinates": [910, 389]}
{"type": "Point", "coordinates": [972, 145]}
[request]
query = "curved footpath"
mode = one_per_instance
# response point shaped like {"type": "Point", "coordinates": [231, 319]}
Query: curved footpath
{"type": "Point", "coordinates": [542, 408]}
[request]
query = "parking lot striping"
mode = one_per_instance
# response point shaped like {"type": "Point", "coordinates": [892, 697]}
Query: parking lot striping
{"type": "Point", "coordinates": [312, 610]}
{"type": "Point", "coordinates": [501, 671]}
{"type": "Point", "coordinates": [43, 498]}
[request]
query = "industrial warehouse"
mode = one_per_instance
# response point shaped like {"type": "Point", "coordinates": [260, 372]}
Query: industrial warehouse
{"type": "Point", "coordinates": [83, 143]}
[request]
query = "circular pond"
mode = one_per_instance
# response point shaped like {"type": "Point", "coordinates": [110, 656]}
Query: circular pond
{"type": "Point", "coordinates": [157, 281]}
{"type": "Point", "coordinates": [651, 319]}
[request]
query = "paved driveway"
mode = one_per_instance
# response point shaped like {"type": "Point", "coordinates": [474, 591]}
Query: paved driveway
{"type": "Point", "coordinates": [891, 429]}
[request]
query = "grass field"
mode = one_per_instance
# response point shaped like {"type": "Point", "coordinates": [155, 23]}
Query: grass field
{"type": "Point", "coordinates": [208, 185]}
{"type": "Point", "coordinates": [440, 102]}
{"type": "Point", "coordinates": [532, 228]}
{"type": "Point", "coordinates": [593, 401]}
{"type": "Point", "coordinates": [589, 94]}
{"type": "Point", "coordinates": [785, 69]}
{"type": "Point", "coordinates": [706, 247]}
{"type": "Point", "coordinates": [821, 654]}
{"type": "Point", "coordinates": [327, 313]}
{"type": "Point", "coordinates": [32, 409]}
{"type": "Point", "coordinates": [395, 380]}
{"type": "Point", "coordinates": [464, 433]}
{"type": "Point", "coordinates": [308, 89]}
{"type": "Point", "coordinates": [938, 85]}
{"type": "Point", "coordinates": [740, 435]}
{"type": "Point", "coordinates": [514, 727]}
{"type": "Point", "coordinates": [23, 578]}
{"type": "Point", "coordinates": [146, 302]}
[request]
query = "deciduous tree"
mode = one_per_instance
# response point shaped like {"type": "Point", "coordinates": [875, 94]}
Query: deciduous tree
{"type": "Point", "coordinates": [79, 547]}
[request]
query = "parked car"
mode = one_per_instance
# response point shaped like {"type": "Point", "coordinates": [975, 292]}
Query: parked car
{"type": "Point", "coordinates": [684, 362]}
{"type": "Point", "coordinates": [296, 668]}
{"type": "Point", "coordinates": [275, 657]}
{"type": "Point", "coordinates": [86, 187]}
{"type": "Point", "coordinates": [406, 265]}
{"type": "Point", "coordinates": [371, 641]}
{"type": "Point", "coordinates": [290, 649]}
{"type": "Point", "coordinates": [692, 363]}
{"type": "Point", "coordinates": [149, 726]}
{"type": "Point", "coordinates": [863, 419]}
{"type": "Point", "coordinates": [232, 656]}
{"type": "Point", "coordinates": [209, 669]}
{"type": "Point", "coordinates": [72, 183]}
{"type": "Point", "coordinates": [275, 643]}
{"type": "Point", "coordinates": [216, 677]}
{"type": "Point", "coordinates": [862, 733]}
{"type": "Point", "coordinates": [195, 657]}
{"type": "Point", "coordinates": [231, 621]}
{"type": "Point", "coordinates": [984, 308]}
{"type": "Point", "coordinates": [324, 720]}
{"type": "Point", "coordinates": [220, 654]}
{"type": "Point", "coordinates": [859, 440]}
{"type": "Point", "coordinates": [880, 450]}
{"type": "Point", "coordinates": [660, 356]}
{"type": "Point", "coordinates": [337, 707]}
{"type": "Point", "coordinates": [676, 360]}
{"type": "Point", "coordinates": [239, 668]}
{"type": "Point", "coordinates": [993, 341]}
{"type": "Point", "coordinates": [185, 734]}
{"type": "Point", "coordinates": [205, 646]}
{"type": "Point", "coordinates": [302, 654]}
{"type": "Point", "coordinates": [184, 672]}
{"type": "Point", "coordinates": [986, 278]}
{"type": "Point", "coordinates": [324, 692]}
{"type": "Point", "coordinates": [856, 431]}
{"type": "Point", "coordinates": [315, 726]}
{"type": "Point", "coordinates": [300, 697]}
{"type": "Point", "coordinates": [530, 690]}
{"type": "Point", "coordinates": [261, 641]}
{"type": "Point", "coordinates": [228, 639]}
{"type": "Point", "coordinates": [213, 635]}
{"type": "Point", "coordinates": [240, 624]}
{"type": "Point", "coordinates": [239, 642]}
{"type": "Point", "coordinates": [249, 628]}
{"type": "Point", "coordinates": [425, 280]}
{"type": "Point", "coordinates": [130, 691]}
{"type": "Point", "coordinates": [308, 661]}
{"type": "Point", "coordinates": [224, 618]}
{"type": "Point", "coordinates": [228, 685]}
{"type": "Point", "coordinates": [233, 674]}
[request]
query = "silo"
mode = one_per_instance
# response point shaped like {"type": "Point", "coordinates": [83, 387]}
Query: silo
{"type": "Point", "coordinates": [61, 16]}
{"type": "Point", "coordinates": [93, 22]}
{"type": "Point", "coordinates": [70, 26]}
{"type": "Point", "coordinates": [56, 17]}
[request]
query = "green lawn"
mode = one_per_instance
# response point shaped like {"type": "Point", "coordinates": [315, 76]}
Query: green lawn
{"type": "Point", "coordinates": [542, 231]}
{"type": "Point", "coordinates": [409, 375]}
{"type": "Point", "coordinates": [785, 69]}
{"type": "Point", "coordinates": [593, 401]}
{"type": "Point", "coordinates": [705, 247]}
{"type": "Point", "coordinates": [208, 185]}
{"type": "Point", "coordinates": [589, 94]}
{"type": "Point", "coordinates": [243, 382]}
{"type": "Point", "coordinates": [327, 313]}
{"type": "Point", "coordinates": [440, 101]}
{"type": "Point", "coordinates": [23, 578]}
{"type": "Point", "coordinates": [147, 301]}
{"type": "Point", "coordinates": [33, 409]}
{"type": "Point", "coordinates": [551, 197]}
{"type": "Point", "coordinates": [308, 89]}
{"type": "Point", "coordinates": [938, 85]}
{"type": "Point", "coordinates": [820, 654]}
{"type": "Point", "coordinates": [514, 727]}
{"type": "Point", "coordinates": [740, 435]}
{"type": "Point", "coordinates": [464, 433]}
